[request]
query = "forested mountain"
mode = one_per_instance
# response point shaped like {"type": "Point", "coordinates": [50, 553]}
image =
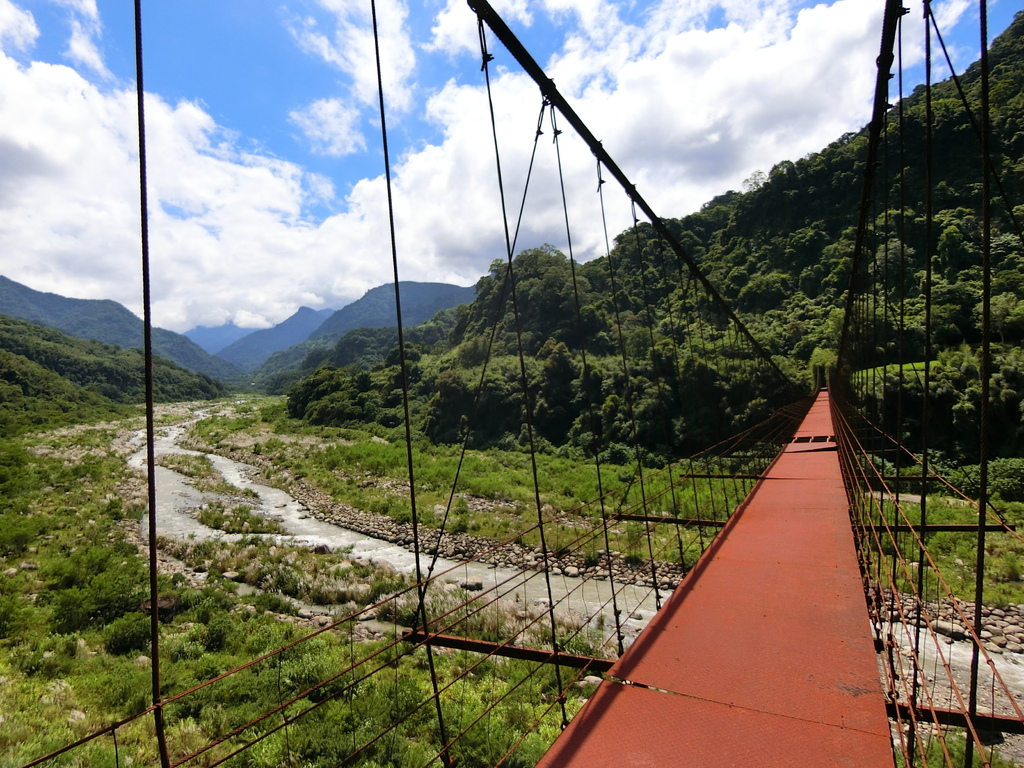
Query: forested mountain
{"type": "Point", "coordinates": [360, 347]}
{"type": "Point", "coordinates": [106, 321]}
{"type": "Point", "coordinates": [780, 253]}
{"type": "Point", "coordinates": [251, 350]}
{"type": "Point", "coordinates": [376, 308]}
{"type": "Point", "coordinates": [363, 332]}
{"type": "Point", "coordinates": [49, 378]}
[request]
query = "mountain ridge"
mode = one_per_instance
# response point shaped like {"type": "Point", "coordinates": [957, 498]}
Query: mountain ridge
{"type": "Point", "coordinates": [107, 321]}
{"type": "Point", "coordinates": [254, 348]}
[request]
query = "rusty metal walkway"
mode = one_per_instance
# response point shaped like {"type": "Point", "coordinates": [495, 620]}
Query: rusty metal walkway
{"type": "Point", "coordinates": [763, 655]}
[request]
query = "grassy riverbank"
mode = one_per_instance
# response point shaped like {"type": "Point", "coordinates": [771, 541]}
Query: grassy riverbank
{"type": "Point", "coordinates": [74, 649]}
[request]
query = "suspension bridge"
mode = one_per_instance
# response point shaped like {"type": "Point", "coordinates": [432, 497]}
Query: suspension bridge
{"type": "Point", "coordinates": [800, 614]}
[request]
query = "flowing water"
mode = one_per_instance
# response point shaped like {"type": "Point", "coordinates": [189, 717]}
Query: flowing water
{"type": "Point", "coordinates": [176, 496]}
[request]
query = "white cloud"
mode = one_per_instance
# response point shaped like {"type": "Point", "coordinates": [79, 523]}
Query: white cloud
{"type": "Point", "coordinates": [349, 46]}
{"type": "Point", "coordinates": [17, 27]}
{"type": "Point", "coordinates": [455, 26]}
{"type": "Point", "coordinates": [226, 227]}
{"type": "Point", "coordinates": [686, 113]}
{"type": "Point", "coordinates": [84, 8]}
{"type": "Point", "coordinates": [82, 48]}
{"type": "Point", "coordinates": [332, 126]}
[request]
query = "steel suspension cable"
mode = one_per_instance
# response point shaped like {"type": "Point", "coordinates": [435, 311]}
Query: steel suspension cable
{"type": "Point", "coordinates": [147, 343]}
{"type": "Point", "coordinates": [498, 309]}
{"type": "Point", "coordinates": [986, 362]}
{"type": "Point", "coordinates": [420, 583]}
{"type": "Point", "coordinates": [528, 408]}
{"type": "Point", "coordinates": [485, 12]}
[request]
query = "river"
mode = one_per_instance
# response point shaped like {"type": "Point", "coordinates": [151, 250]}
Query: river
{"type": "Point", "coordinates": [176, 495]}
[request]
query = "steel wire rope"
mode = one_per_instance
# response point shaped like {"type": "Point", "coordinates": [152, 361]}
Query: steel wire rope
{"type": "Point", "coordinates": [498, 308]}
{"type": "Point", "coordinates": [535, 725]}
{"type": "Point", "coordinates": [893, 10]}
{"type": "Point", "coordinates": [704, 368]}
{"type": "Point", "coordinates": [447, 686]}
{"type": "Point", "coordinates": [996, 178]}
{"type": "Point", "coordinates": [484, 11]}
{"type": "Point", "coordinates": [586, 373]}
{"type": "Point", "coordinates": [971, 629]}
{"type": "Point", "coordinates": [284, 712]}
{"type": "Point", "coordinates": [994, 514]}
{"type": "Point", "coordinates": [279, 651]}
{"type": "Point", "coordinates": [737, 376]}
{"type": "Point", "coordinates": [654, 356]}
{"type": "Point", "coordinates": [722, 371]}
{"type": "Point", "coordinates": [691, 281]}
{"type": "Point", "coordinates": [527, 410]}
{"type": "Point", "coordinates": [236, 731]}
{"type": "Point", "coordinates": [147, 344]}
{"type": "Point", "coordinates": [333, 696]}
{"type": "Point", "coordinates": [628, 396]}
{"type": "Point", "coordinates": [674, 332]}
{"type": "Point", "coordinates": [975, 638]}
{"type": "Point", "coordinates": [929, 260]}
{"type": "Point", "coordinates": [403, 362]}
{"type": "Point", "coordinates": [900, 675]}
{"type": "Point", "coordinates": [985, 414]}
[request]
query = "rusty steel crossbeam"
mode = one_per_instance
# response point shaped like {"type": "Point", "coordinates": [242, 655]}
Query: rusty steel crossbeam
{"type": "Point", "coordinates": [982, 723]}
{"type": "Point", "coordinates": [943, 528]}
{"type": "Point", "coordinates": [511, 651]}
{"type": "Point", "coordinates": [684, 521]}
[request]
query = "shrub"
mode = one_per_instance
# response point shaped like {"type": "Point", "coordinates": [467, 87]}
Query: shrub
{"type": "Point", "coordinates": [268, 601]}
{"type": "Point", "coordinates": [71, 611]}
{"type": "Point", "coordinates": [11, 614]}
{"type": "Point", "coordinates": [128, 634]}
{"type": "Point", "coordinates": [16, 533]}
{"type": "Point", "coordinates": [217, 633]}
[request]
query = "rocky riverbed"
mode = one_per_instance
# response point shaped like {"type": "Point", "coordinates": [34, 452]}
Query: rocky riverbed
{"type": "Point", "coordinates": [315, 520]}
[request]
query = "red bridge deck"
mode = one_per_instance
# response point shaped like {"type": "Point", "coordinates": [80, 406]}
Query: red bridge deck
{"type": "Point", "coordinates": [763, 655]}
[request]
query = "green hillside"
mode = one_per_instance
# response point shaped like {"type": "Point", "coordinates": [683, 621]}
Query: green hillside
{"type": "Point", "coordinates": [109, 322]}
{"type": "Point", "coordinates": [780, 253]}
{"type": "Point", "coordinates": [376, 308]}
{"type": "Point", "coordinates": [49, 378]}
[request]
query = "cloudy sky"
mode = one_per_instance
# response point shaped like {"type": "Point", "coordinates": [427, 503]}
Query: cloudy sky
{"type": "Point", "coordinates": [265, 162]}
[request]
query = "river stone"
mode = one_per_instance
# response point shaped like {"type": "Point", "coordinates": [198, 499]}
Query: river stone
{"type": "Point", "coordinates": [949, 629]}
{"type": "Point", "coordinates": [230, 575]}
{"type": "Point", "coordinates": [471, 586]}
{"type": "Point", "coordinates": [1014, 647]}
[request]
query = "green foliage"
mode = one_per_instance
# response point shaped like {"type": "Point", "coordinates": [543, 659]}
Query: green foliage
{"type": "Point", "coordinates": [109, 323]}
{"type": "Point", "coordinates": [128, 634]}
{"type": "Point", "coordinates": [49, 378]}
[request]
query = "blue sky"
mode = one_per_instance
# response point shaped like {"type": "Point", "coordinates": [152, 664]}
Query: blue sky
{"type": "Point", "coordinates": [265, 169]}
